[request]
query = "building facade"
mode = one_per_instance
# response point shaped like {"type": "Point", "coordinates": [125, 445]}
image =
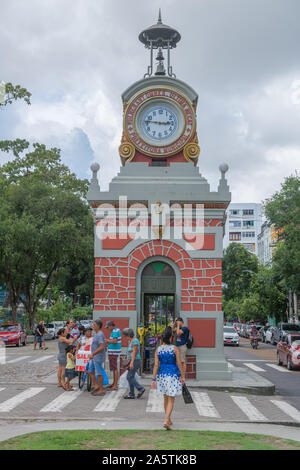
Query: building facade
{"type": "Point", "coordinates": [267, 241]}
{"type": "Point", "coordinates": [243, 225]}
{"type": "Point", "coordinates": [159, 228]}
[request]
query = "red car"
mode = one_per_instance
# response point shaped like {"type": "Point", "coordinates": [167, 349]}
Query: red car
{"type": "Point", "coordinates": [288, 351]}
{"type": "Point", "coordinates": [12, 333]}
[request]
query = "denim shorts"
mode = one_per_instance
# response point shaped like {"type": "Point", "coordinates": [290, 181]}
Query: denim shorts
{"type": "Point", "coordinates": [39, 339]}
{"type": "Point", "coordinates": [95, 367]}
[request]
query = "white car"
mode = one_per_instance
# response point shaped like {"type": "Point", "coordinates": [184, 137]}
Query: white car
{"type": "Point", "coordinates": [269, 336]}
{"type": "Point", "coordinates": [231, 336]}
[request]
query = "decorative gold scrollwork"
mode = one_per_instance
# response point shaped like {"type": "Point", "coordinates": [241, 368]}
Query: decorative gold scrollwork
{"type": "Point", "coordinates": [191, 152]}
{"type": "Point", "coordinates": [127, 151]}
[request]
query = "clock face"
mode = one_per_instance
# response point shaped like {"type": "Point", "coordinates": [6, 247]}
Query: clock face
{"type": "Point", "coordinates": [159, 122]}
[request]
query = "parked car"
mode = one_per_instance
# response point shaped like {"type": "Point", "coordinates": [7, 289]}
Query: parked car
{"type": "Point", "coordinates": [13, 334]}
{"type": "Point", "coordinates": [288, 351]}
{"type": "Point", "coordinates": [262, 333]}
{"type": "Point", "coordinates": [284, 329]}
{"type": "Point", "coordinates": [54, 327]}
{"type": "Point", "coordinates": [230, 336]}
{"type": "Point", "coordinates": [269, 336]}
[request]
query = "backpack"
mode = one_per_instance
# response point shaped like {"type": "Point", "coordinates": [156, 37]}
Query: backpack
{"type": "Point", "coordinates": [190, 341]}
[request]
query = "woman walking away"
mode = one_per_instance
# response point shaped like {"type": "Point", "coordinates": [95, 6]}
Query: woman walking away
{"type": "Point", "coordinates": [70, 367]}
{"type": "Point", "coordinates": [133, 354]}
{"type": "Point", "coordinates": [63, 343]}
{"type": "Point", "coordinates": [168, 374]}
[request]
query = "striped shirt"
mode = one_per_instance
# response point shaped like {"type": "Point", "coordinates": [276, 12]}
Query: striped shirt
{"type": "Point", "coordinates": [115, 348]}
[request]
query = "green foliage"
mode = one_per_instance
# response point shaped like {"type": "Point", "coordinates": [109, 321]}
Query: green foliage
{"type": "Point", "coordinates": [239, 266]}
{"type": "Point", "coordinates": [45, 224]}
{"type": "Point", "coordinates": [283, 211]}
{"type": "Point", "coordinates": [14, 93]}
{"type": "Point", "coordinates": [252, 291]}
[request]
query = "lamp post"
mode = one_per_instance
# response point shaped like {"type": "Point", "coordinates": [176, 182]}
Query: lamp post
{"type": "Point", "coordinates": [72, 298]}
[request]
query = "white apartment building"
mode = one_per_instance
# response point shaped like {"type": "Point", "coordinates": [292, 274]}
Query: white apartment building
{"type": "Point", "coordinates": [243, 225]}
{"type": "Point", "coordinates": [267, 242]}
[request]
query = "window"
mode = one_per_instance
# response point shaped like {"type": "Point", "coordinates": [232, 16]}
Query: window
{"type": "Point", "coordinates": [248, 212]}
{"type": "Point", "coordinates": [235, 223]}
{"type": "Point", "coordinates": [234, 236]}
{"type": "Point", "coordinates": [248, 223]}
{"type": "Point", "coordinates": [234, 212]}
{"type": "Point", "coordinates": [248, 234]}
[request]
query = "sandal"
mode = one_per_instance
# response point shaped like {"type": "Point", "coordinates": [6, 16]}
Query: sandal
{"type": "Point", "coordinates": [129, 397]}
{"type": "Point", "coordinates": [140, 393]}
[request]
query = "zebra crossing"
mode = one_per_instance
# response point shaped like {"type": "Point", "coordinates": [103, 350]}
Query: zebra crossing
{"type": "Point", "coordinates": [206, 405]}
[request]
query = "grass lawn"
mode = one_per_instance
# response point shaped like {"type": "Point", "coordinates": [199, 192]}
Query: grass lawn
{"type": "Point", "coordinates": [146, 440]}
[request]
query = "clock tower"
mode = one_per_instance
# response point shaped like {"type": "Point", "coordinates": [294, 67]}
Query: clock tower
{"type": "Point", "coordinates": [159, 228]}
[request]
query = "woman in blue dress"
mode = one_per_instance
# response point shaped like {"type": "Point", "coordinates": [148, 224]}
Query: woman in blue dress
{"type": "Point", "coordinates": [167, 374]}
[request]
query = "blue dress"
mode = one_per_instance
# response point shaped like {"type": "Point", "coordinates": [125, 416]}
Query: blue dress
{"type": "Point", "coordinates": [168, 376]}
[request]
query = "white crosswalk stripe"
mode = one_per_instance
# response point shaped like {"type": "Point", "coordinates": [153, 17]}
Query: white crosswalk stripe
{"type": "Point", "coordinates": [155, 403]}
{"type": "Point", "coordinates": [204, 405]}
{"type": "Point", "coordinates": [1, 388]}
{"type": "Point", "coordinates": [59, 403]}
{"type": "Point", "coordinates": [110, 401]}
{"type": "Point", "coordinates": [287, 409]}
{"type": "Point", "coordinates": [254, 367]}
{"type": "Point", "coordinates": [18, 359]}
{"type": "Point", "coordinates": [280, 368]}
{"type": "Point", "coordinates": [11, 403]}
{"type": "Point", "coordinates": [41, 359]}
{"type": "Point", "coordinates": [248, 409]}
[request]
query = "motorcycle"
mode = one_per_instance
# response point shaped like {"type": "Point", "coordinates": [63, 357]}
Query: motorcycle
{"type": "Point", "coordinates": [254, 342]}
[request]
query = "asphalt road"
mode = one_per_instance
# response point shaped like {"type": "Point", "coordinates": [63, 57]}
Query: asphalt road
{"type": "Point", "coordinates": [287, 383]}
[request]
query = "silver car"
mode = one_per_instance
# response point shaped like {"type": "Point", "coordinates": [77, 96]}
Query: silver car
{"type": "Point", "coordinates": [231, 336]}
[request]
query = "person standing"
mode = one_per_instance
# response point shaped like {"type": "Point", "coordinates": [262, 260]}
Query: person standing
{"type": "Point", "coordinates": [114, 351]}
{"type": "Point", "coordinates": [63, 343]}
{"type": "Point", "coordinates": [182, 334]}
{"type": "Point", "coordinates": [70, 367]}
{"type": "Point", "coordinates": [168, 374]}
{"type": "Point", "coordinates": [97, 359]}
{"type": "Point", "coordinates": [40, 335]}
{"type": "Point", "coordinates": [133, 354]}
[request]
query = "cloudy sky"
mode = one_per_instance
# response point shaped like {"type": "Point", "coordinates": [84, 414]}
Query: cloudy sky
{"type": "Point", "coordinates": [78, 56]}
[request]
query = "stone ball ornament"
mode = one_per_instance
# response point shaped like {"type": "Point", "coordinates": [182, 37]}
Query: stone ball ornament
{"type": "Point", "coordinates": [223, 168]}
{"type": "Point", "coordinates": [95, 167]}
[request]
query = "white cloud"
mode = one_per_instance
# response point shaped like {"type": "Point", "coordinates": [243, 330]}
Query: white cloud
{"type": "Point", "coordinates": [78, 56]}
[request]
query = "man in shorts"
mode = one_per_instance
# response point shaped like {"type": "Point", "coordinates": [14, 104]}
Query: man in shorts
{"type": "Point", "coordinates": [182, 334]}
{"type": "Point", "coordinates": [114, 351]}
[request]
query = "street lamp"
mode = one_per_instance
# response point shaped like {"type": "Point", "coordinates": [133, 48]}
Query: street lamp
{"type": "Point", "coordinates": [72, 298]}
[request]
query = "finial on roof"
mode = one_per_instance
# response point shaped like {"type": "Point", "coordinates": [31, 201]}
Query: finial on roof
{"type": "Point", "coordinates": [159, 17]}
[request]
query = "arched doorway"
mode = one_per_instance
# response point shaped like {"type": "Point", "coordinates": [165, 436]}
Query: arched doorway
{"type": "Point", "coordinates": [158, 286]}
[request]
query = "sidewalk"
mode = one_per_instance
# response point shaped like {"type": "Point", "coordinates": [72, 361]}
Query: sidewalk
{"type": "Point", "coordinates": [8, 431]}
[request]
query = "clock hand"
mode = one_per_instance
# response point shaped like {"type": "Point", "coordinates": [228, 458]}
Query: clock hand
{"type": "Point", "coordinates": [158, 122]}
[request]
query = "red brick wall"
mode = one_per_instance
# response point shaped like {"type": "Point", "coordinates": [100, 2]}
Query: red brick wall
{"type": "Point", "coordinates": [201, 280]}
{"type": "Point", "coordinates": [190, 367]}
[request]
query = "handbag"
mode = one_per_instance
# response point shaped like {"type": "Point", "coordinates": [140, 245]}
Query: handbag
{"type": "Point", "coordinates": [125, 363]}
{"type": "Point", "coordinates": [187, 397]}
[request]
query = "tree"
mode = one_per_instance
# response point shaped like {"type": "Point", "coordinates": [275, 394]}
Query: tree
{"type": "Point", "coordinates": [14, 93]}
{"type": "Point", "coordinates": [239, 266]}
{"type": "Point", "coordinates": [283, 211]}
{"type": "Point", "coordinates": [45, 224]}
